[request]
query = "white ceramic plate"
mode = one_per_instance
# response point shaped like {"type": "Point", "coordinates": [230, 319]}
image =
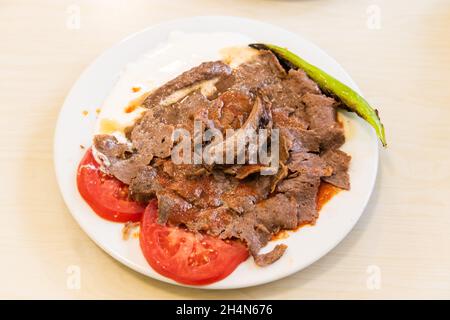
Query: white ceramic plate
{"type": "Point", "coordinates": [304, 246]}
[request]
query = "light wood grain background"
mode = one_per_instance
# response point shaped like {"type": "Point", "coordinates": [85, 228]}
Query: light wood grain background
{"type": "Point", "coordinates": [403, 68]}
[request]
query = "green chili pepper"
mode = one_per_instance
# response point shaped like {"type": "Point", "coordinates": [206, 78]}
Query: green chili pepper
{"type": "Point", "coordinates": [351, 99]}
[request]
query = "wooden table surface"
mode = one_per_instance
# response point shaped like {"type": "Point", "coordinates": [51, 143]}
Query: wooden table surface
{"type": "Point", "coordinates": [397, 51]}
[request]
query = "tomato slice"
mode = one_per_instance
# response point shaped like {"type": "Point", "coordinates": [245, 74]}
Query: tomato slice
{"type": "Point", "coordinates": [106, 195]}
{"type": "Point", "coordinates": [186, 257]}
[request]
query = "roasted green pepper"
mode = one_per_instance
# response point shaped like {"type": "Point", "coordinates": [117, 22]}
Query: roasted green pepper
{"type": "Point", "coordinates": [351, 99]}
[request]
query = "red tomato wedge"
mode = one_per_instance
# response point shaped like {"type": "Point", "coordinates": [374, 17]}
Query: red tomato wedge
{"type": "Point", "coordinates": [186, 257]}
{"type": "Point", "coordinates": [106, 195]}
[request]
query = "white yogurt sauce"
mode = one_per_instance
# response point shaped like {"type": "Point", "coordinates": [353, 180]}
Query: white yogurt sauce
{"type": "Point", "coordinates": [179, 53]}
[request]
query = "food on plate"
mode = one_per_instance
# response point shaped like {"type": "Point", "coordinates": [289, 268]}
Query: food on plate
{"type": "Point", "coordinates": [203, 218]}
{"type": "Point", "coordinates": [187, 257]}
{"type": "Point", "coordinates": [350, 98]}
{"type": "Point", "coordinates": [106, 195]}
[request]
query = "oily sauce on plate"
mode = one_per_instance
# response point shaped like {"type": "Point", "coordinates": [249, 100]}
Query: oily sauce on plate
{"type": "Point", "coordinates": [325, 193]}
